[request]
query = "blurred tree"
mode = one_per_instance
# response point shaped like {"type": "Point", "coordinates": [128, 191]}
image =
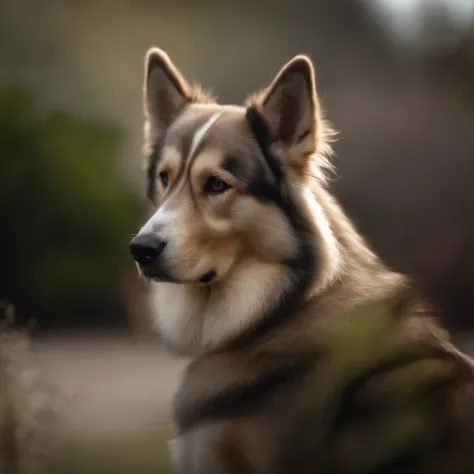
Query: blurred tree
{"type": "Point", "coordinates": [65, 215]}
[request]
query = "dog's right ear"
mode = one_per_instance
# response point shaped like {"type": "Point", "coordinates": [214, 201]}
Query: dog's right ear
{"type": "Point", "coordinates": [166, 92]}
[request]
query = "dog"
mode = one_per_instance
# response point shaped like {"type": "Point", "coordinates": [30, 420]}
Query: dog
{"type": "Point", "coordinates": [307, 353]}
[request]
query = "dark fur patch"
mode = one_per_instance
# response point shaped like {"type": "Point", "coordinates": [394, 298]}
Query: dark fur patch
{"type": "Point", "coordinates": [237, 168]}
{"type": "Point", "coordinates": [261, 132]}
{"type": "Point", "coordinates": [233, 455]}
{"type": "Point", "coordinates": [239, 400]}
{"type": "Point", "coordinates": [153, 161]}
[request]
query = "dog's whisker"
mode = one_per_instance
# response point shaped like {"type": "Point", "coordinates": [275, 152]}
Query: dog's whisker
{"type": "Point", "coordinates": [139, 271]}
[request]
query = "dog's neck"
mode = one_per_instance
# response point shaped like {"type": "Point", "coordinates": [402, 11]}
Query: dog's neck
{"type": "Point", "coordinates": [194, 319]}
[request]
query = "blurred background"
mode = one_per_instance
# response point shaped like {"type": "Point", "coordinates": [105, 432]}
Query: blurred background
{"type": "Point", "coordinates": [396, 78]}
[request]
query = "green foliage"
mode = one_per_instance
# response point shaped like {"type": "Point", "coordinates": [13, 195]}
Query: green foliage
{"type": "Point", "coordinates": [65, 215]}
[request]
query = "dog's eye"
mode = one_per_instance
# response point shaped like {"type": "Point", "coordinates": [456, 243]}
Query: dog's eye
{"type": "Point", "coordinates": [215, 185]}
{"type": "Point", "coordinates": [164, 178]}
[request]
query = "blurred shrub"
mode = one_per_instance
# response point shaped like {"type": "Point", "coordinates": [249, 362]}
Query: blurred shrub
{"type": "Point", "coordinates": [65, 214]}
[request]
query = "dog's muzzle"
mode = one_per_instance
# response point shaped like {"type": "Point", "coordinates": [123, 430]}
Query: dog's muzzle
{"type": "Point", "coordinates": [146, 249]}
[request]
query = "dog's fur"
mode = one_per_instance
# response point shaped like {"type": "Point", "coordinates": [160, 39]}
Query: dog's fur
{"type": "Point", "coordinates": [309, 355]}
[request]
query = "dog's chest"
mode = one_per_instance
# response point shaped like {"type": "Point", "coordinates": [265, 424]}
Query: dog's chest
{"type": "Point", "coordinates": [231, 420]}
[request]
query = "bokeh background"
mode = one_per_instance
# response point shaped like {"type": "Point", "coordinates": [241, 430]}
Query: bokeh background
{"type": "Point", "coordinates": [396, 78]}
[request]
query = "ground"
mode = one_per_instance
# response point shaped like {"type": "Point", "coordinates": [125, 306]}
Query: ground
{"type": "Point", "coordinates": [116, 381]}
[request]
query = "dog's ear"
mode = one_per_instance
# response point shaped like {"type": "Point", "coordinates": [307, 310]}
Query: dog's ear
{"type": "Point", "coordinates": [166, 92]}
{"type": "Point", "coordinates": [290, 106]}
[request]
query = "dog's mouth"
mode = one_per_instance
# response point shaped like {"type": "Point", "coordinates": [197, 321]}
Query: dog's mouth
{"type": "Point", "coordinates": [157, 275]}
{"type": "Point", "coordinates": [207, 277]}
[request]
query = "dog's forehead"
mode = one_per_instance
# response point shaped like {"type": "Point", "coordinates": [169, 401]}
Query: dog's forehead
{"type": "Point", "coordinates": [204, 127]}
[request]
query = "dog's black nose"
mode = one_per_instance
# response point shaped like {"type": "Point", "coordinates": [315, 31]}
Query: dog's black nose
{"type": "Point", "coordinates": [146, 248]}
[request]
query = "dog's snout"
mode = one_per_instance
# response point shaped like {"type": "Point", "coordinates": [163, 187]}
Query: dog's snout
{"type": "Point", "coordinates": [146, 248]}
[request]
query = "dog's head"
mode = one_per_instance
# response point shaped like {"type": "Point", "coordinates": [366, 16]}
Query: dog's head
{"type": "Point", "coordinates": [224, 179]}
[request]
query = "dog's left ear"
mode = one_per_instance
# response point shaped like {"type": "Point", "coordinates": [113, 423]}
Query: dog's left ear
{"type": "Point", "coordinates": [166, 92]}
{"type": "Point", "coordinates": [290, 106]}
